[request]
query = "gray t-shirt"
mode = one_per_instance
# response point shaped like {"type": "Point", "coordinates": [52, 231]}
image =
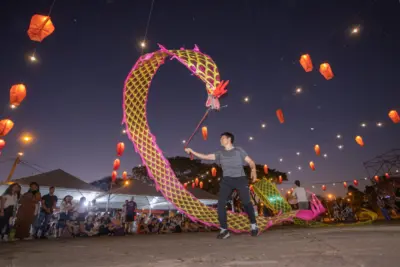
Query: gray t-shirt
{"type": "Point", "coordinates": [231, 161]}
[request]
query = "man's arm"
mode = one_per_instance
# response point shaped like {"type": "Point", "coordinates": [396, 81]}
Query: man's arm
{"type": "Point", "coordinates": [251, 164]}
{"type": "Point", "coordinates": [203, 156]}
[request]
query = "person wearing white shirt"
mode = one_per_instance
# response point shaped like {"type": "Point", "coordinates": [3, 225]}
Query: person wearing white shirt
{"type": "Point", "coordinates": [301, 195]}
{"type": "Point", "coordinates": [8, 204]}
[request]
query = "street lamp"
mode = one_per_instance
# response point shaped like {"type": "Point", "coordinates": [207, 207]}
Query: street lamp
{"type": "Point", "coordinates": [26, 138]}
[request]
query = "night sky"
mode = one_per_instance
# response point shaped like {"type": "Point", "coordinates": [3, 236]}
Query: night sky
{"type": "Point", "coordinates": [74, 101]}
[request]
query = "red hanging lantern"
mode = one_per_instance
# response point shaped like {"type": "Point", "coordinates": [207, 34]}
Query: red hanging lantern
{"type": "Point", "coordinates": [117, 163]}
{"type": "Point", "coordinates": [323, 187]}
{"type": "Point", "coordinates": [201, 185]}
{"type": "Point", "coordinates": [124, 175]}
{"type": "Point", "coordinates": [345, 184]}
{"type": "Point", "coordinates": [326, 71]}
{"type": "Point", "coordinates": [185, 185]}
{"type": "Point", "coordinates": [214, 171]}
{"type": "Point", "coordinates": [193, 185]}
{"type": "Point", "coordinates": [355, 182]}
{"type": "Point", "coordinates": [40, 27]}
{"type": "Point", "coordinates": [204, 132]}
{"type": "Point", "coordinates": [196, 181]}
{"type": "Point", "coordinates": [387, 175]}
{"type": "Point", "coordinates": [359, 140]}
{"type": "Point", "coordinates": [376, 178]}
{"type": "Point", "coordinates": [266, 169]}
{"type": "Point", "coordinates": [17, 94]}
{"type": "Point", "coordinates": [306, 63]}
{"type": "Point", "coordinates": [312, 165]}
{"type": "Point", "coordinates": [394, 116]}
{"type": "Point", "coordinates": [114, 176]}
{"type": "Point", "coordinates": [317, 150]}
{"type": "Point", "coordinates": [279, 114]}
{"type": "Point", "coordinates": [2, 144]}
{"type": "Point", "coordinates": [6, 126]}
{"type": "Point", "coordinates": [120, 149]}
{"type": "Point", "coordinates": [280, 179]}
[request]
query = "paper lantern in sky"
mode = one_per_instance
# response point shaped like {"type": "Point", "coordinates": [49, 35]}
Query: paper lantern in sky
{"type": "Point", "coordinates": [306, 62]}
{"type": "Point", "coordinates": [124, 175]}
{"type": "Point", "coordinates": [266, 169]}
{"type": "Point", "coordinates": [345, 184]}
{"type": "Point", "coordinates": [279, 114]}
{"type": "Point", "coordinates": [323, 187]}
{"type": "Point", "coordinates": [114, 176]}
{"type": "Point", "coordinates": [359, 140]}
{"type": "Point", "coordinates": [6, 126]}
{"type": "Point", "coordinates": [280, 179]}
{"type": "Point", "coordinates": [17, 94]}
{"type": "Point", "coordinates": [2, 144]}
{"type": "Point", "coordinates": [312, 165]}
{"type": "Point", "coordinates": [204, 132]}
{"type": "Point", "coordinates": [40, 27]}
{"type": "Point", "coordinates": [317, 150]}
{"type": "Point", "coordinates": [387, 175]}
{"type": "Point", "coordinates": [394, 116]}
{"type": "Point", "coordinates": [214, 171]}
{"type": "Point", "coordinates": [376, 178]}
{"type": "Point", "coordinates": [355, 182]}
{"type": "Point", "coordinates": [185, 185]}
{"type": "Point", "coordinates": [326, 71]}
{"type": "Point", "coordinates": [196, 181]}
{"type": "Point", "coordinates": [193, 185]}
{"type": "Point", "coordinates": [120, 149]}
{"type": "Point", "coordinates": [201, 184]}
{"type": "Point", "coordinates": [116, 165]}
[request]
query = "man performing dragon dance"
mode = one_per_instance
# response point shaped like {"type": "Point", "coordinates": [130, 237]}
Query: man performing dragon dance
{"type": "Point", "coordinates": [231, 159]}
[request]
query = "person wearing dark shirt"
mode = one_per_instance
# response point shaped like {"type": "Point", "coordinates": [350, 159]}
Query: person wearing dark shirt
{"type": "Point", "coordinates": [49, 203]}
{"type": "Point", "coordinates": [231, 159]}
{"type": "Point", "coordinates": [130, 214]}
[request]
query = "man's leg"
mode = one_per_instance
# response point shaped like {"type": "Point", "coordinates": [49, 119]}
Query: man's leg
{"type": "Point", "coordinates": [224, 191]}
{"type": "Point", "coordinates": [244, 193]}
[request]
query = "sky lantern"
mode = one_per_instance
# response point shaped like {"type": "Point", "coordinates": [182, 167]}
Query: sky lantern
{"type": "Point", "coordinates": [355, 182]}
{"type": "Point", "coordinates": [193, 185]}
{"type": "Point", "coordinates": [6, 126]}
{"type": "Point", "coordinates": [113, 176]}
{"type": "Point", "coordinates": [120, 149]}
{"type": "Point", "coordinates": [323, 187]}
{"type": "Point", "coordinates": [2, 144]}
{"type": "Point", "coordinates": [306, 63]}
{"type": "Point", "coordinates": [312, 165]}
{"type": "Point", "coordinates": [40, 27]}
{"type": "Point", "coordinates": [185, 185]}
{"type": "Point", "coordinates": [196, 181]}
{"type": "Point", "coordinates": [117, 163]}
{"type": "Point", "coordinates": [359, 140]}
{"type": "Point", "coordinates": [266, 169]}
{"type": "Point", "coordinates": [214, 171]}
{"type": "Point", "coordinates": [326, 71]}
{"type": "Point", "coordinates": [17, 94]}
{"type": "Point", "coordinates": [345, 184]}
{"type": "Point", "coordinates": [386, 174]}
{"type": "Point", "coordinates": [376, 178]}
{"type": "Point", "coordinates": [201, 185]}
{"type": "Point", "coordinates": [280, 179]}
{"type": "Point", "coordinates": [204, 132]}
{"type": "Point", "coordinates": [394, 116]}
{"type": "Point", "coordinates": [279, 114]}
{"type": "Point", "coordinates": [317, 150]}
{"type": "Point", "coordinates": [124, 175]}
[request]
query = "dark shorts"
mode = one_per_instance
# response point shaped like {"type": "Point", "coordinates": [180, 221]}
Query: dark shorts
{"type": "Point", "coordinates": [129, 218]}
{"type": "Point", "coordinates": [81, 217]}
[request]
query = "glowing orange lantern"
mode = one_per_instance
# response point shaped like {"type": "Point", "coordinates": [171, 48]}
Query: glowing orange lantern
{"type": "Point", "coordinates": [2, 144]}
{"type": "Point", "coordinates": [120, 149]}
{"type": "Point", "coordinates": [355, 182]}
{"type": "Point", "coordinates": [124, 175]}
{"type": "Point", "coordinates": [6, 126]}
{"type": "Point", "coordinates": [326, 71]}
{"type": "Point", "coordinates": [394, 116]}
{"type": "Point", "coordinates": [345, 184]}
{"type": "Point", "coordinates": [376, 177]}
{"type": "Point", "coordinates": [117, 163]}
{"type": "Point", "coordinates": [317, 150]}
{"type": "Point", "coordinates": [280, 179]}
{"type": "Point", "coordinates": [251, 187]}
{"type": "Point", "coordinates": [40, 27]}
{"type": "Point", "coordinates": [113, 176]}
{"type": "Point", "coordinates": [312, 166]}
{"type": "Point", "coordinates": [279, 114]}
{"type": "Point", "coordinates": [214, 172]}
{"type": "Point", "coordinates": [197, 181]}
{"type": "Point", "coordinates": [204, 131]}
{"type": "Point", "coordinates": [323, 187]}
{"type": "Point", "coordinates": [17, 94]}
{"type": "Point", "coordinates": [185, 185]}
{"type": "Point", "coordinates": [359, 140]}
{"type": "Point", "coordinates": [266, 169]}
{"type": "Point", "coordinates": [306, 63]}
{"type": "Point", "coordinates": [386, 174]}
{"type": "Point", "coordinates": [193, 185]}
{"type": "Point", "coordinates": [201, 184]}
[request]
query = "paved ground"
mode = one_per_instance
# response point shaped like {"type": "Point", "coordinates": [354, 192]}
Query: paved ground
{"type": "Point", "coordinates": [364, 246]}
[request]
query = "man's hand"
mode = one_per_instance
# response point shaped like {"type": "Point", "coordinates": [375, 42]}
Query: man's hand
{"type": "Point", "coordinates": [189, 150]}
{"type": "Point", "coordinates": [253, 175]}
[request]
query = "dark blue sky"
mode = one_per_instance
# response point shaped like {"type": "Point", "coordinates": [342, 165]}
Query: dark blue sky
{"type": "Point", "coordinates": [74, 101]}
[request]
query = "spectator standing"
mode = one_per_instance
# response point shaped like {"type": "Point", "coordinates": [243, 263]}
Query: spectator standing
{"type": "Point", "coordinates": [49, 202]}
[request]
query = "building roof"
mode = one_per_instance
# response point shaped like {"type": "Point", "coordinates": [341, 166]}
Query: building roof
{"type": "Point", "coordinates": [57, 178]}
